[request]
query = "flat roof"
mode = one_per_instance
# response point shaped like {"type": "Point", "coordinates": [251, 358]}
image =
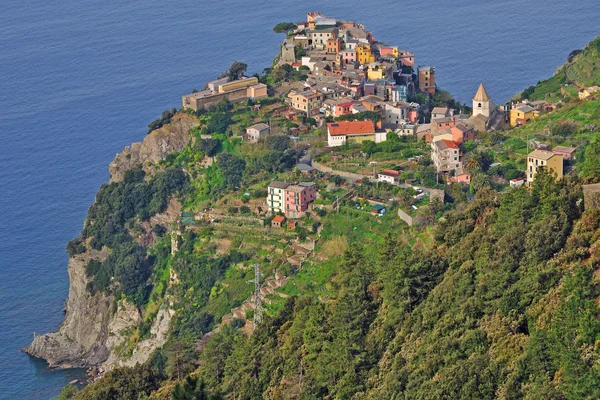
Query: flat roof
{"type": "Point", "coordinates": [279, 185]}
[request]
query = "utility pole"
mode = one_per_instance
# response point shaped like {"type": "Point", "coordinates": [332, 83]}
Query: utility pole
{"type": "Point", "coordinates": [258, 309]}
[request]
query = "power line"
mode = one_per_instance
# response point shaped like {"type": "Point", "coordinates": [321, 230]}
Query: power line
{"type": "Point", "coordinates": [258, 308]}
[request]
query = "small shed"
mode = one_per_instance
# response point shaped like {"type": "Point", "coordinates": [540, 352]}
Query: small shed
{"type": "Point", "coordinates": [305, 169]}
{"type": "Point", "coordinates": [378, 209]}
{"type": "Point", "coordinates": [278, 221]}
{"type": "Point", "coordinates": [292, 224]}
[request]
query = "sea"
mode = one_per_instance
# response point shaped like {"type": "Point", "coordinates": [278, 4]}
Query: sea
{"type": "Point", "coordinates": [79, 80]}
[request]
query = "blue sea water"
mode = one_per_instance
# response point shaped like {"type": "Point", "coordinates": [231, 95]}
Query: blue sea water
{"type": "Point", "coordinates": [79, 80]}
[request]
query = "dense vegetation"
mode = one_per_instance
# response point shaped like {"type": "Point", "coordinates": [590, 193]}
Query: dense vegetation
{"type": "Point", "coordinates": [494, 298]}
{"type": "Point", "coordinates": [117, 207]}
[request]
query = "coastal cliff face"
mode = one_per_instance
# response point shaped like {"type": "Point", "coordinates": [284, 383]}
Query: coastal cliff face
{"type": "Point", "coordinates": [155, 147]}
{"type": "Point", "coordinates": [94, 326]}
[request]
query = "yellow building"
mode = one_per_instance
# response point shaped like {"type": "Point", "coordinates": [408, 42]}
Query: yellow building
{"type": "Point", "coordinates": [305, 101]}
{"type": "Point", "coordinates": [377, 71]}
{"type": "Point", "coordinates": [587, 92]}
{"type": "Point", "coordinates": [364, 55]}
{"type": "Point", "coordinates": [521, 115]}
{"type": "Point", "coordinates": [543, 158]}
{"type": "Point", "coordinates": [241, 83]}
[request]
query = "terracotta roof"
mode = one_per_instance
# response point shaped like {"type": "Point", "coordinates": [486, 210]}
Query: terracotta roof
{"type": "Point", "coordinates": [390, 172]}
{"type": "Point", "coordinates": [446, 144]}
{"type": "Point", "coordinates": [350, 128]}
{"type": "Point", "coordinates": [481, 94]}
{"type": "Point", "coordinates": [346, 104]}
{"type": "Point", "coordinates": [279, 218]}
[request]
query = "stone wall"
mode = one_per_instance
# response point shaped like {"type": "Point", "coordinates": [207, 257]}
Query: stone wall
{"type": "Point", "coordinates": [405, 217]}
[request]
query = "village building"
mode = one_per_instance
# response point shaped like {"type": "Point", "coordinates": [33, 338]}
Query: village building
{"type": "Point", "coordinates": [305, 101]}
{"type": "Point", "coordinates": [291, 199]}
{"type": "Point", "coordinates": [275, 196]}
{"type": "Point", "coordinates": [567, 153]}
{"type": "Point", "coordinates": [305, 169]}
{"type": "Point", "coordinates": [363, 54]}
{"type": "Point", "coordinates": [388, 52]}
{"type": "Point", "coordinates": [521, 115]}
{"type": "Point", "coordinates": [445, 155]}
{"type": "Point", "coordinates": [517, 182]}
{"type": "Point", "coordinates": [426, 77]}
{"type": "Point", "coordinates": [588, 92]}
{"type": "Point", "coordinates": [298, 198]}
{"type": "Point", "coordinates": [257, 132]}
{"type": "Point", "coordinates": [406, 58]}
{"type": "Point", "coordinates": [462, 133]}
{"type": "Point", "coordinates": [222, 89]}
{"type": "Point", "coordinates": [440, 112]}
{"type": "Point", "coordinates": [460, 177]}
{"type": "Point", "coordinates": [343, 108]}
{"type": "Point", "coordinates": [543, 159]}
{"type": "Point", "coordinates": [486, 116]}
{"type": "Point", "coordinates": [376, 71]}
{"type": "Point", "coordinates": [390, 176]}
{"type": "Point", "coordinates": [341, 132]}
{"type": "Point", "coordinates": [278, 221]}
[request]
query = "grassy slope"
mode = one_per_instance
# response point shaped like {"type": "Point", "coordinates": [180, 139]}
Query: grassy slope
{"type": "Point", "coordinates": [583, 70]}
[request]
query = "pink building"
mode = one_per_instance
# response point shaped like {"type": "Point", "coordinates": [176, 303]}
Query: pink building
{"type": "Point", "coordinates": [343, 109]}
{"type": "Point", "coordinates": [568, 153]}
{"type": "Point", "coordinates": [412, 115]}
{"type": "Point", "coordinates": [348, 55]}
{"type": "Point", "coordinates": [462, 133]}
{"type": "Point", "coordinates": [297, 198]}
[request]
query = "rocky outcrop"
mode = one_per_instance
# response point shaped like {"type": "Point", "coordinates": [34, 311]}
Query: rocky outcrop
{"type": "Point", "coordinates": [155, 147]}
{"type": "Point", "coordinates": [81, 338]}
{"type": "Point", "coordinates": [93, 327]}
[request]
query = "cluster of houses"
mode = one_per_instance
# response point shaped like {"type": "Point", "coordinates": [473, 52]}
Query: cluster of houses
{"type": "Point", "coordinates": [348, 72]}
{"type": "Point", "coordinates": [291, 199]}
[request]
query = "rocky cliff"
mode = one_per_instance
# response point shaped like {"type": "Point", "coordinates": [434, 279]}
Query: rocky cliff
{"type": "Point", "coordinates": [94, 325]}
{"type": "Point", "coordinates": [155, 147]}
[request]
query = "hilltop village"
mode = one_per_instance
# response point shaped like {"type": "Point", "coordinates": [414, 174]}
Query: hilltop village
{"type": "Point", "coordinates": [338, 226]}
{"type": "Point", "coordinates": [333, 78]}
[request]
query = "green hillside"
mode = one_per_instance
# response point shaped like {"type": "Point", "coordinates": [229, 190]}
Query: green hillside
{"type": "Point", "coordinates": [493, 293]}
{"type": "Point", "coordinates": [582, 69]}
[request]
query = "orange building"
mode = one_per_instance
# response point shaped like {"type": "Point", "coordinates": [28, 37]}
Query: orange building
{"type": "Point", "coordinates": [427, 79]}
{"type": "Point", "coordinates": [334, 45]}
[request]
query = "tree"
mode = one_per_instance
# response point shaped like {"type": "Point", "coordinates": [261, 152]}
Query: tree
{"type": "Point", "coordinates": [563, 128]}
{"type": "Point", "coordinates": [278, 142]}
{"type": "Point", "coordinates": [236, 70]}
{"type": "Point", "coordinates": [210, 147]}
{"type": "Point", "coordinates": [232, 168]}
{"type": "Point", "coordinates": [284, 27]}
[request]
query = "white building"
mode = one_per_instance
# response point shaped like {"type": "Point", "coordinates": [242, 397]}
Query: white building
{"type": "Point", "coordinates": [275, 196]}
{"type": "Point", "coordinates": [257, 132]}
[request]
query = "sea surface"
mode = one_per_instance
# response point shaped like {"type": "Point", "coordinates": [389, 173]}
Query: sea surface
{"type": "Point", "coordinates": [79, 80]}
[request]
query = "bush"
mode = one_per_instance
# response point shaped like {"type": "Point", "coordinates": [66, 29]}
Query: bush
{"type": "Point", "coordinates": [284, 27]}
{"type": "Point", "coordinates": [563, 128]}
{"type": "Point", "coordinates": [75, 246]}
{"type": "Point", "coordinates": [245, 210]}
{"type": "Point", "coordinates": [164, 119]}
